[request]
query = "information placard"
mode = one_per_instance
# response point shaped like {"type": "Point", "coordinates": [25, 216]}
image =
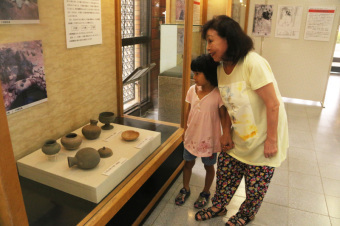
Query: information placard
{"type": "Point", "coordinates": [83, 22]}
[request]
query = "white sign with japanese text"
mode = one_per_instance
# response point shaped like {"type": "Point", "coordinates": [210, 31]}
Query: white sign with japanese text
{"type": "Point", "coordinates": [83, 22]}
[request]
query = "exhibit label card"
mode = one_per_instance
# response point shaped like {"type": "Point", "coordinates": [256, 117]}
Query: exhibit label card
{"type": "Point", "coordinates": [83, 22]}
{"type": "Point", "coordinates": [319, 23]}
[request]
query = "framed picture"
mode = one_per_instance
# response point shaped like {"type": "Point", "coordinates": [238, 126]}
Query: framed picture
{"type": "Point", "coordinates": [19, 12]}
{"type": "Point", "coordinates": [22, 75]}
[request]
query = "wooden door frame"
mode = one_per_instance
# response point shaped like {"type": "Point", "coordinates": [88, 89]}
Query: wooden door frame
{"type": "Point", "coordinates": [12, 208]}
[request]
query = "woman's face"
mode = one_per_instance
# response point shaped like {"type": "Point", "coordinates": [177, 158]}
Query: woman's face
{"type": "Point", "coordinates": [216, 45]}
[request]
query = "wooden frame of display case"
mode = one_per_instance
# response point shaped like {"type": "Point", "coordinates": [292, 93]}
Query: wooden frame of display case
{"type": "Point", "coordinates": [12, 208]}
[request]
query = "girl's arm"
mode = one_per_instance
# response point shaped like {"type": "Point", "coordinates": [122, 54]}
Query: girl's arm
{"type": "Point", "coordinates": [226, 141]}
{"type": "Point", "coordinates": [186, 116]}
{"type": "Point", "coordinates": [268, 95]}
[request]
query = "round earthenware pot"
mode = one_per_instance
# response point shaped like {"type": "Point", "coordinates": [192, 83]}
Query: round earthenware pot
{"type": "Point", "coordinates": [71, 141]}
{"type": "Point", "coordinates": [86, 158]}
{"type": "Point", "coordinates": [51, 147]}
{"type": "Point", "coordinates": [105, 152]}
{"type": "Point", "coordinates": [91, 131]}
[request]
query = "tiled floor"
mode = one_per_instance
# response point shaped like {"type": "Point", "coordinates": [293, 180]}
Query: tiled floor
{"type": "Point", "coordinates": [305, 189]}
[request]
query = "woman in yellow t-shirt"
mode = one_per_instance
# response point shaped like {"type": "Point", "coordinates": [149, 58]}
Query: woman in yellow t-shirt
{"type": "Point", "coordinates": [258, 138]}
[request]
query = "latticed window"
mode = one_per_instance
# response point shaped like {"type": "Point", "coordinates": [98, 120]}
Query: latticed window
{"type": "Point", "coordinates": [128, 52]}
{"type": "Point", "coordinates": [135, 44]}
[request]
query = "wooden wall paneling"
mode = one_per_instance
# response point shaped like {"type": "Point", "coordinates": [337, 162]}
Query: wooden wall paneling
{"type": "Point", "coordinates": [229, 7]}
{"type": "Point", "coordinates": [188, 26]}
{"type": "Point", "coordinates": [12, 208]}
{"type": "Point", "coordinates": [168, 12]}
{"type": "Point", "coordinates": [119, 64]}
{"type": "Point", "coordinates": [247, 16]}
{"type": "Point", "coordinates": [204, 11]}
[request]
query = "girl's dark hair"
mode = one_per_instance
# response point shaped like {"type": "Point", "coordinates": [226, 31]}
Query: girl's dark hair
{"type": "Point", "coordinates": [239, 43]}
{"type": "Point", "coordinates": [206, 64]}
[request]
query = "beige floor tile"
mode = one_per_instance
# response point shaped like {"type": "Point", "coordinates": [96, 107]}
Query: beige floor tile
{"type": "Point", "coordinates": [333, 204]}
{"type": "Point", "coordinates": [305, 182]}
{"type": "Point", "coordinates": [296, 109]}
{"type": "Point", "coordinates": [302, 218]}
{"type": "Point", "coordinates": [302, 166]}
{"type": "Point", "coordinates": [280, 177]}
{"type": "Point", "coordinates": [329, 171]}
{"type": "Point", "coordinates": [332, 158]}
{"type": "Point", "coordinates": [175, 215]}
{"type": "Point", "coordinates": [270, 214]}
{"type": "Point", "coordinates": [307, 201]}
{"type": "Point", "coordinates": [298, 122]}
{"type": "Point", "coordinates": [303, 154]}
{"type": "Point", "coordinates": [335, 221]}
{"type": "Point", "coordinates": [300, 139]}
{"type": "Point", "coordinates": [277, 194]}
{"type": "Point", "coordinates": [331, 187]}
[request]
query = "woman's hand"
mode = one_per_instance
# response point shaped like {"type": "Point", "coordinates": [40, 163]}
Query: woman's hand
{"type": "Point", "coordinates": [270, 148]}
{"type": "Point", "coordinates": [226, 142]}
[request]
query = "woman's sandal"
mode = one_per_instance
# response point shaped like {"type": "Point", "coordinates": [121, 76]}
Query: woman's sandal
{"type": "Point", "coordinates": [182, 196]}
{"type": "Point", "coordinates": [235, 220]}
{"type": "Point", "coordinates": [202, 200]}
{"type": "Point", "coordinates": [207, 214]}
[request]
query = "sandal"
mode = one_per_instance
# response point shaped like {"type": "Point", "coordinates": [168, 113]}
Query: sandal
{"type": "Point", "coordinates": [202, 200]}
{"type": "Point", "coordinates": [207, 214]}
{"type": "Point", "coordinates": [235, 220]}
{"type": "Point", "coordinates": [182, 196]}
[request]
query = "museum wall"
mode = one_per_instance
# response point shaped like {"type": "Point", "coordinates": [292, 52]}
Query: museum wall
{"type": "Point", "coordinates": [80, 82]}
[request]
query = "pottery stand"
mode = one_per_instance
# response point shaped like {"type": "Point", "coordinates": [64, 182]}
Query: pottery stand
{"type": "Point", "coordinates": [92, 185]}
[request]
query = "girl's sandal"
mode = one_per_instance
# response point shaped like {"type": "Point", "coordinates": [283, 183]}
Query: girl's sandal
{"type": "Point", "coordinates": [235, 220]}
{"type": "Point", "coordinates": [207, 214]}
{"type": "Point", "coordinates": [182, 196]}
{"type": "Point", "coordinates": [202, 200]}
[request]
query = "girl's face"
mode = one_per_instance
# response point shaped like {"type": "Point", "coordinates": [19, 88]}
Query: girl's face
{"type": "Point", "coordinates": [216, 45]}
{"type": "Point", "coordinates": [200, 79]}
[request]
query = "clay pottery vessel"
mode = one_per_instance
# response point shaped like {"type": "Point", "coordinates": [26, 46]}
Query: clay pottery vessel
{"type": "Point", "coordinates": [71, 141]}
{"type": "Point", "coordinates": [51, 147]}
{"type": "Point", "coordinates": [91, 131]}
{"type": "Point", "coordinates": [105, 152]}
{"type": "Point", "coordinates": [107, 118]}
{"type": "Point", "coordinates": [130, 135]}
{"type": "Point", "coordinates": [86, 158]}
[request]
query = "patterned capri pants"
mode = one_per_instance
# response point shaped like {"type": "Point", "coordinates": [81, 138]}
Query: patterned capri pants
{"type": "Point", "coordinates": [229, 174]}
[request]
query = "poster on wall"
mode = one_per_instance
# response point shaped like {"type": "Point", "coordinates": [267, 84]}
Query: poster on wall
{"type": "Point", "coordinates": [83, 23]}
{"type": "Point", "coordinates": [197, 12]}
{"type": "Point", "coordinates": [22, 75]}
{"type": "Point", "coordinates": [19, 12]}
{"type": "Point", "coordinates": [180, 8]}
{"type": "Point", "coordinates": [262, 23]}
{"type": "Point", "coordinates": [319, 23]}
{"type": "Point", "coordinates": [288, 22]}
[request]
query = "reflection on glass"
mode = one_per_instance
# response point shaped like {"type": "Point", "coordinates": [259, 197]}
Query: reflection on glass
{"type": "Point", "coordinates": [171, 69]}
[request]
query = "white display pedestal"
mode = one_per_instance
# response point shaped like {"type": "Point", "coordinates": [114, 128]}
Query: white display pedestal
{"type": "Point", "coordinates": [94, 184]}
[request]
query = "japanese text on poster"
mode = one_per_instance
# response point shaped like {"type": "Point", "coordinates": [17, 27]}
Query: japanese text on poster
{"type": "Point", "coordinates": [319, 23]}
{"type": "Point", "coordinates": [83, 22]}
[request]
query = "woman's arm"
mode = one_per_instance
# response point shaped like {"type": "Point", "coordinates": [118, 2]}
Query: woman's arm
{"type": "Point", "coordinates": [226, 141]}
{"type": "Point", "coordinates": [268, 95]}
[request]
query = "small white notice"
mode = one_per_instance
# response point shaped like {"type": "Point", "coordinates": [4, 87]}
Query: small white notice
{"type": "Point", "coordinates": [144, 142]}
{"type": "Point", "coordinates": [109, 138]}
{"type": "Point", "coordinates": [319, 23]}
{"type": "Point", "coordinates": [115, 166]}
{"type": "Point", "coordinates": [83, 22]}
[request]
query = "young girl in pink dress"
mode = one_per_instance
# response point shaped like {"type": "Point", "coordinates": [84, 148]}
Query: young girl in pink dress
{"type": "Point", "coordinates": [203, 130]}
